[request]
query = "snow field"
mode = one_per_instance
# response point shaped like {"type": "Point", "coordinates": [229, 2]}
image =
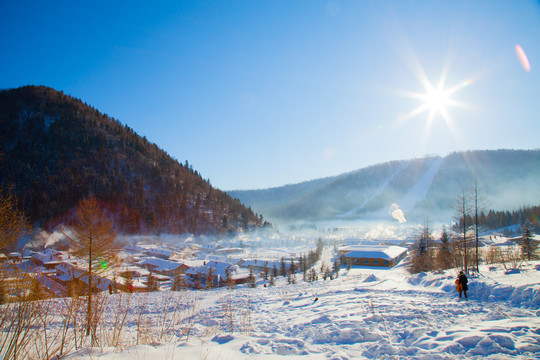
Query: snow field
{"type": "Point", "coordinates": [363, 314]}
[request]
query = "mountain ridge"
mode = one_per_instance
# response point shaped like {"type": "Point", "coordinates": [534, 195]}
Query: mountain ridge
{"type": "Point", "coordinates": [424, 188]}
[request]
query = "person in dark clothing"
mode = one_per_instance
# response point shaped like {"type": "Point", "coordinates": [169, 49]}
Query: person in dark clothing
{"type": "Point", "coordinates": [462, 284]}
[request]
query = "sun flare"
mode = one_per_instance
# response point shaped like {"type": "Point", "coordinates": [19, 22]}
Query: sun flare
{"type": "Point", "coordinates": [435, 100]}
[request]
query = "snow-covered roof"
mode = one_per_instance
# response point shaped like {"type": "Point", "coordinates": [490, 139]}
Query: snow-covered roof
{"type": "Point", "coordinates": [135, 269]}
{"type": "Point", "coordinates": [218, 268]}
{"type": "Point", "coordinates": [161, 264]}
{"type": "Point", "coordinates": [373, 251]}
{"type": "Point", "coordinates": [160, 251]}
{"type": "Point", "coordinates": [194, 263]}
{"type": "Point", "coordinates": [49, 255]}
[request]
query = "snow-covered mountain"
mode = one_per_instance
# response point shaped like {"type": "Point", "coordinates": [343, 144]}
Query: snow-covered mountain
{"type": "Point", "coordinates": [417, 189]}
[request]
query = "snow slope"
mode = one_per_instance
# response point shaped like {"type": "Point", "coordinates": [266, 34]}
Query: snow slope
{"type": "Point", "coordinates": [419, 191]}
{"type": "Point", "coordinates": [365, 313]}
{"type": "Point", "coordinates": [376, 192]}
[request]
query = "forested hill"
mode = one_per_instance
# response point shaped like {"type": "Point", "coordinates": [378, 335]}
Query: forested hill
{"type": "Point", "coordinates": [56, 150]}
{"type": "Point", "coordinates": [424, 188]}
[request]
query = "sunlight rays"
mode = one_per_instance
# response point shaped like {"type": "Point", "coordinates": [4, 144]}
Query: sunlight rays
{"type": "Point", "coordinates": [435, 100]}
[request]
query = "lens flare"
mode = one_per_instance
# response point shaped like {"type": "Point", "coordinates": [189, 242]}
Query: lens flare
{"type": "Point", "coordinates": [522, 57]}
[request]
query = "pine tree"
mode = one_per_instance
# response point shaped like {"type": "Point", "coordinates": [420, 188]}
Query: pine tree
{"type": "Point", "coordinates": [327, 274]}
{"type": "Point", "coordinates": [293, 267]}
{"type": "Point", "coordinates": [128, 282]}
{"type": "Point", "coordinates": [312, 275]}
{"type": "Point", "coordinates": [252, 283]}
{"type": "Point", "coordinates": [265, 271]}
{"type": "Point", "coordinates": [231, 284]}
{"type": "Point", "coordinates": [275, 271]}
{"type": "Point", "coordinates": [444, 255]}
{"type": "Point", "coordinates": [336, 267]}
{"type": "Point", "coordinates": [319, 249]}
{"type": "Point", "coordinates": [272, 280]}
{"type": "Point", "coordinates": [209, 278]}
{"type": "Point", "coordinates": [151, 284]}
{"type": "Point", "coordinates": [177, 282]}
{"type": "Point", "coordinates": [283, 270]}
{"type": "Point", "coordinates": [421, 257]}
{"type": "Point", "coordinates": [528, 245]}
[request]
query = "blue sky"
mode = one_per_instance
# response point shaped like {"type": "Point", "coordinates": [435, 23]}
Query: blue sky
{"type": "Point", "coordinates": [257, 94]}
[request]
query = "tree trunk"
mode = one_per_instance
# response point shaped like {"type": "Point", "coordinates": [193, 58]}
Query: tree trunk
{"type": "Point", "coordinates": [89, 311]}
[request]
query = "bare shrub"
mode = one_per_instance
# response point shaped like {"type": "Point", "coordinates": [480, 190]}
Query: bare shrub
{"type": "Point", "coordinates": [112, 331]}
{"type": "Point", "coordinates": [18, 321]}
{"type": "Point", "coordinates": [510, 257]}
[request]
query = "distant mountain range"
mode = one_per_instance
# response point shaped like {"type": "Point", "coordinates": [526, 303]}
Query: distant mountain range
{"type": "Point", "coordinates": [410, 190]}
{"type": "Point", "coordinates": [56, 150]}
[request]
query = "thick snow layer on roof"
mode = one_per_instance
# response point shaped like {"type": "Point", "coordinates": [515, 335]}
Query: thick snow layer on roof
{"type": "Point", "coordinates": [163, 265]}
{"type": "Point", "coordinates": [373, 251]}
{"type": "Point", "coordinates": [218, 268]}
{"type": "Point", "coordinates": [139, 271]}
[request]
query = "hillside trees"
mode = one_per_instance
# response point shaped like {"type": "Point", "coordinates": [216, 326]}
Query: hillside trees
{"type": "Point", "coordinates": [13, 223]}
{"type": "Point", "coordinates": [59, 150]}
{"type": "Point", "coordinates": [92, 236]}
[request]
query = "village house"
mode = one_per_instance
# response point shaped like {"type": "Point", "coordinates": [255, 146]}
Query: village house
{"type": "Point", "coordinates": [215, 271]}
{"type": "Point", "coordinates": [159, 252]}
{"type": "Point", "coordinates": [50, 258]}
{"type": "Point", "coordinates": [373, 255]}
{"type": "Point", "coordinates": [70, 273]}
{"type": "Point", "coordinates": [163, 267]}
{"type": "Point", "coordinates": [259, 266]}
{"type": "Point", "coordinates": [134, 271]}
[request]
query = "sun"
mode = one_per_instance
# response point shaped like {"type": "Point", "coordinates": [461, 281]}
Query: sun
{"type": "Point", "coordinates": [436, 99]}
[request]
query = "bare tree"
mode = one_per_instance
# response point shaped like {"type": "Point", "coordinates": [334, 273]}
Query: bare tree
{"type": "Point", "coordinates": [462, 214]}
{"type": "Point", "coordinates": [92, 236]}
{"type": "Point", "coordinates": [478, 198]}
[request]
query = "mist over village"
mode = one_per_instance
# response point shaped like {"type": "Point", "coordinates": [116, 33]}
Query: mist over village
{"type": "Point", "coordinates": [269, 180]}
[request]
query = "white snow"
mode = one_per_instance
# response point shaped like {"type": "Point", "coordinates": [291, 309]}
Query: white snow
{"type": "Point", "coordinates": [373, 251]}
{"type": "Point", "coordinates": [365, 313]}
{"type": "Point", "coordinates": [419, 191]}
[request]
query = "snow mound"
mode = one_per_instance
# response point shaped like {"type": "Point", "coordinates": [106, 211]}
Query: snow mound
{"type": "Point", "coordinates": [370, 278]}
